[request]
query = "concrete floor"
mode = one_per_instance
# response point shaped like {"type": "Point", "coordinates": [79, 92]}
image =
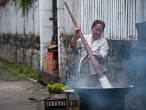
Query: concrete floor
{"type": "Point", "coordinates": [20, 95]}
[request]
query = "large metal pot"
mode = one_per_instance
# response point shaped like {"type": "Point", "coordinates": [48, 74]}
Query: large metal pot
{"type": "Point", "coordinates": [94, 98]}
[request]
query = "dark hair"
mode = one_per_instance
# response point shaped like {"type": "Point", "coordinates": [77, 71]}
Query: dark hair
{"type": "Point", "coordinates": [98, 22]}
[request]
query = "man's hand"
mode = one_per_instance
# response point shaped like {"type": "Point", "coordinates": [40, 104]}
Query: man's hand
{"type": "Point", "coordinates": [77, 29]}
{"type": "Point", "coordinates": [73, 43]}
{"type": "Point", "coordinates": [98, 56]}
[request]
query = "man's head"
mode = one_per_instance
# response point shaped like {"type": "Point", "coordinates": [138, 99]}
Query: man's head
{"type": "Point", "coordinates": [97, 28]}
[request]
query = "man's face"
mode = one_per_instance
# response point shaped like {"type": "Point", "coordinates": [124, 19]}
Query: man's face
{"type": "Point", "coordinates": [97, 31]}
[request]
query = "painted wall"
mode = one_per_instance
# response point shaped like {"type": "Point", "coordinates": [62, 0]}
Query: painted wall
{"type": "Point", "coordinates": [23, 50]}
{"type": "Point", "coordinates": [34, 23]}
{"type": "Point", "coordinates": [13, 21]}
{"type": "Point", "coordinates": [20, 35]}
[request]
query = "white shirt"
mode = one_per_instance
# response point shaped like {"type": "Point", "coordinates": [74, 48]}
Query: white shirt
{"type": "Point", "coordinates": [99, 46]}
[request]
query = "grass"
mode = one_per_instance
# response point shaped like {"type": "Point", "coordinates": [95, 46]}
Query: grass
{"type": "Point", "coordinates": [12, 71]}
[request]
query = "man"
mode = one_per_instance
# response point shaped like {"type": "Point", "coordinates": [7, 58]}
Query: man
{"type": "Point", "coordinates": [99, 47]}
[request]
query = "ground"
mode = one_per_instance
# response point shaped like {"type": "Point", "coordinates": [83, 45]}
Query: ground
{"type": "Point", "coordinates": [20, 94]}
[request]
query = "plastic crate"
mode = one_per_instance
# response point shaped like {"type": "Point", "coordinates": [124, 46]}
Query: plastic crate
{"type": "Point", "coordinates": [55, 104]}
{"type": "Point", "coordinates": [72, 100]}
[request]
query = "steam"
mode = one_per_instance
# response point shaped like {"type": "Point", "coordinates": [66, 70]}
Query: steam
{"type": "Point", "coordinates": [133, 63]}
{"type": "Point", "coordinates": [135, 68]}
{"type": "Point", "coordinates": [136, 64]}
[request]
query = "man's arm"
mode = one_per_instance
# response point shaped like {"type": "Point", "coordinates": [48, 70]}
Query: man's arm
{"type": "Point", "coordinates": [103, 51]}
{"type": "Point", "coordinates": [98, 56]}
{"type": "Point", "coordinates": [73, 42]}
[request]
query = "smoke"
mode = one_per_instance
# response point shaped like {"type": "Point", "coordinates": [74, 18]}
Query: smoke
{"type": "Point", "coordinates": [135, 68]}
{"type": "Point", "coordinates": [136, 64]}
{"type": "Point", "coordinates": [136, 72]}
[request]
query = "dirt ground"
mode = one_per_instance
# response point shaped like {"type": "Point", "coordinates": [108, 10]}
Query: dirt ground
{"type": "Point", "coordinates": [20, 95]}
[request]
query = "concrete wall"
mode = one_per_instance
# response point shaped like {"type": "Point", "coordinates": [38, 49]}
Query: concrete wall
{"type": "Point", "coordinates": [13, 21]}
{"type": "Point", "coordinates": [23, 50]}
{"type": "Point", "coordinates": [19, 34]}
{"type": "Point", "coordinates": [20, 28]}
{"type": "Point", "coordinates": [46, 28]}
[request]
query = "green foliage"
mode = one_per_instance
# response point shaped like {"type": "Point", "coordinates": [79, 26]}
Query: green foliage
{"type": "Point", "coordinates": [57, 87]}
{"type": "Point", "coordinates": [20, 72]}
{"type": "Point", "coordinates": [23, 5]}
{"type": "Point", "coordinates": [36, 39]}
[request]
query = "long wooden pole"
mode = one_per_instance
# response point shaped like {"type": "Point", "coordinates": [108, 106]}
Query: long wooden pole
{"type": "Point", "coordinates": [96, 65]}
{"type": "Point", "coordinates": [94, 61]}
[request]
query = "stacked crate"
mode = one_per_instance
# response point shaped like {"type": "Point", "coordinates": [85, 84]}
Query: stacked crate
{"type": "Point", "coordinates": [55, 104]}
{"type": "Point", "coordinates": [64, 101]}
